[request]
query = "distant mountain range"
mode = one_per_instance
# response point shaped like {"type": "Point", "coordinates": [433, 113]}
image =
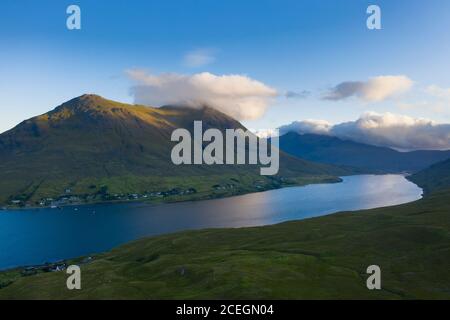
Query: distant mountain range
{"type": "Point", "coordinates": [332, 150]}
{"type": "Point", "coordinates": [95, 148]}
{"type": "Point", "coordinates": [434, 178]}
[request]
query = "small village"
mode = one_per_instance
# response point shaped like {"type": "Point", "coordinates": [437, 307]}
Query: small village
{"type": "Point", "coordinates": [102, 196]}
{"type": "Point", "coordinates": [51, 267]}
{"type": "Point", "coordinates": [69, 197]}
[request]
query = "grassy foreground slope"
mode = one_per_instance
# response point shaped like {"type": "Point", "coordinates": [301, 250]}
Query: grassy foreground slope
{"type": "Point", "coordinates": [434, 178]}
{"type": "Point", "coordinates": [319, 258]}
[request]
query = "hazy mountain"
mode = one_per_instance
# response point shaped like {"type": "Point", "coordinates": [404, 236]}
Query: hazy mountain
{"type": "Point", "coordinates": [434, 178]}
{"type": "Point", "coordinates": [332, 150]}
{"type": "Point", "coordinates": [89, 145]}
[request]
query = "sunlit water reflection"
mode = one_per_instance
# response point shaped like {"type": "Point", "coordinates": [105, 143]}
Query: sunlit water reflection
{"type": "Point", "coordinates": [40, 235]}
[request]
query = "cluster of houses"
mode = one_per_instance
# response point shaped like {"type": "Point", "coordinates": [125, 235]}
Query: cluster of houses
{"type": "Point", "coordinates": [47, 267]}
{"type": "Point", "coordinates": [227, 186]}
{"type": "Point", "coordinates": [146, 195]}
{"type": "Point", "coordinates": [63, 200]}
{"type": "Point", "coordinates": [260, 185]}
{"type": "Point", "coordinates": [50, 267]}
{"type": "Point", "coordinates": [67, 198]}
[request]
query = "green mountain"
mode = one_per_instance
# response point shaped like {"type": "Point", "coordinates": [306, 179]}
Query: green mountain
{"type": "Point", "coordinates": [332, 150]}
{"type": "Point", "coordinates": [318, 258]}
{"type": "Point", "coordinates": [434, 178]}
{"type": "Point", "coordinates": [90, 148]}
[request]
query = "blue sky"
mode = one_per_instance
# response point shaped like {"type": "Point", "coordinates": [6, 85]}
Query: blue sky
{"type": "Point", "coordinates": [286, 45]}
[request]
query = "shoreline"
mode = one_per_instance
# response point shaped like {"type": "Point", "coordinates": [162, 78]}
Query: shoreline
{"type": "Point", "coordinates": [53, 262]}
{"type": "Point", "coordinates": [168, 200]}
{"type": "Point", "coordinates": [84, 259]}
{"type": "Point", "coordinates": [11, 275]}
{"type": "Point", "coordinates": [160, 261]}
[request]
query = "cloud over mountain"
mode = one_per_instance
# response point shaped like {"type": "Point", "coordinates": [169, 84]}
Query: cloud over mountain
{"type": "Point", "coordinates": [235, 95]}
{"type": "Point", "coordinates": [307, 126]}
{"type": "Point", "coordinates": [375, 89]}
{"type": "Point", "coordinates": [388, 130]}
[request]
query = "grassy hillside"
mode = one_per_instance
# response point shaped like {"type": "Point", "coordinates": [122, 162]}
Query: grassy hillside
{"type": "Point", "coordinates": [332, 150]}
{"type": "Point", "coordinates": [319, 258]}
{"type": "Point", "coordinates": [434, 178]}
{"type": "Point", "coordinates": [93, 149]}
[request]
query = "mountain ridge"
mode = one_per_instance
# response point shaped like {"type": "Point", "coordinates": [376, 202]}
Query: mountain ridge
{"type": "Point", "coordinates": [433, 179]}
{"type": "Point", "coordinates": [94, 146]}
{"type": "Point", "coordinates": [336, 151]}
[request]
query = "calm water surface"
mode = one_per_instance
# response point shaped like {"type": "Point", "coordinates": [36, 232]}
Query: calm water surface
{"type": "Point", "coordinates": [39, 235]}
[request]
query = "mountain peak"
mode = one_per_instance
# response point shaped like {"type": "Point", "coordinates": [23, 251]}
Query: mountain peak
{"type": "Point", "coordinates": [87, 103]}
{"type": "Point", "coordinates": [90, 142]}
{"type": "Point", "coordinates": [88, 99]}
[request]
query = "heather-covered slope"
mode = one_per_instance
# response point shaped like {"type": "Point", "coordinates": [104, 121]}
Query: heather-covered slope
{"type": "Point", "coordinates": [434, 178]}
{"type": "Point", "coordinates": [319, 258]}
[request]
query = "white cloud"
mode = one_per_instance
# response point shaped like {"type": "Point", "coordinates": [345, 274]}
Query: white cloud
{"type": "Point", "coordinates": [436, 100]}
{"type": "Point", "coordinates": [235, 95]}
{"type": "Point", "coordinates": [434, 106]}
{"type": "Point", "coordinates": [322, 127]}
{"type": "Point", "coordinates": [388, 130]}
{"type": "Point", "coordinates": [375, 89]}
{"type": "Point", "coordinates": [199, 58]}
{"type": "Point", "coordinates": [438, 92]}
{"type": "Point", "coordinates": [265, 133]}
